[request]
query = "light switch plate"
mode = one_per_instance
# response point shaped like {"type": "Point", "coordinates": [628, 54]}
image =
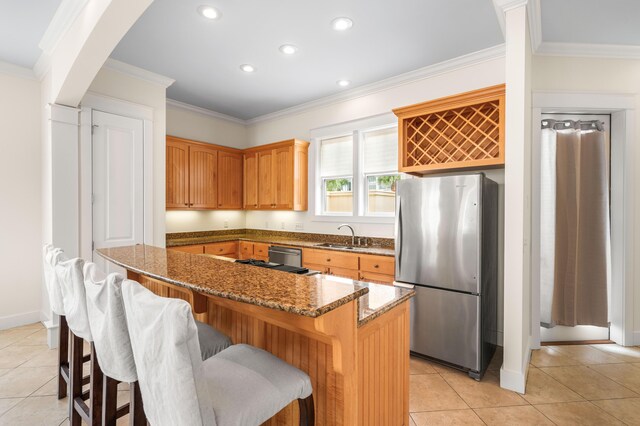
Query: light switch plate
{"type": "Point", "coordinates": [299, 226]}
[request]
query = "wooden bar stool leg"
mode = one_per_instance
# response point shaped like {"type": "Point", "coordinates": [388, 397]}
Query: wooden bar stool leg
{"type": "Point", "coordinates": [307, 413]}
{"type": "Point", "coordinates": [75, 378]}
{"type": "Point", "coordinates": [109, 401]}
{"type": "Point", "coordinates": [63, 357]}
{"type": "Point", "coordinates": [136, 410]}
{"type": "Point", "coordinates": [95, 389]}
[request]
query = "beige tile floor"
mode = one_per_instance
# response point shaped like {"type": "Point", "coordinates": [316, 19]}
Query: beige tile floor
{"type": "Point", "coordinates": [567, 385]}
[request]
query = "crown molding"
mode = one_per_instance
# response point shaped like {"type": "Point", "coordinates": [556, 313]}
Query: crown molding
{"type": "Point", "coordinates": [503, 6]}
{"type": "Point", "coordinates": [13, 70]}
{"type": "Point", "coordinates": [585, 50]}
{"type": "Point", "coordinates": [192, 108]}
{"type": "Point", "coordinates": [450, 65]}
{"type": "Point", "coordinates": [138, 73]}
{"type": "Point", "coordinates": [62, 20]}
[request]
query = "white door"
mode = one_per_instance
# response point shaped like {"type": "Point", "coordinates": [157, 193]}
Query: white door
{"type": "Point", "coordinates": [580, 332]}
{"type": "Point", "coordinates": [118, 198]}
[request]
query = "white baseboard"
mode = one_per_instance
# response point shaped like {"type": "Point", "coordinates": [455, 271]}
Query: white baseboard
{"type": "Point", "coordinates": [52, 333]}
{"type": "Point", "coordinates": [636, 338]}
{"type": "Point", "coordinates": [19, 319]}
{"type": "Point", "coordinates": [516, 380]}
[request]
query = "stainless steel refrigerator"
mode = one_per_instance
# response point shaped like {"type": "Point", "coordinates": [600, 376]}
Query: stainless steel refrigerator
{"type": "Point", "coordinates": [447, 249]}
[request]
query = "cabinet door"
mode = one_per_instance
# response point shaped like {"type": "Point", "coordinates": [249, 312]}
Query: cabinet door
{"type": "Point", "coordinates": [283, 178]}
{"type": "Point", "coordinates": [371, 277]}
{"type": "Point", "coordinates": [378, 264]}
{"type": "Point", "coordinates": [203, 172]}
{"type": "Point", "coordinates": [229, 249]}
{"type": "Point", "coordinates": [229, 180]}
{"type": "Point", "coordinates": [265, 180]}
{"type": "Point", "coordinates": [245, 250]}
{"type": "Point", "coordinates": [261, 251]}
{"type": "Point", "coordinates": [177, 174]}
{"type": "Point", "coordinates": [331, 258]}
{"type": "Point", "coordinates": [344, 273]}
{"type": "Point", "coordinates": [251, 181]}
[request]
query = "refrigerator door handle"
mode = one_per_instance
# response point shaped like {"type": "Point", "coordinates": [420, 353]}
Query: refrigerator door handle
{"type": "Point", "coordinates": [399, 235]}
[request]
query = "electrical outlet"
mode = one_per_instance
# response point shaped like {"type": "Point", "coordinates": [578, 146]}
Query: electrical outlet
{"type": "Point", "coordinates": [299, 226]}
{"type": "Point", "coordinates": [282, 225]}
{"type": "Point", "coordinates": [226, 223]}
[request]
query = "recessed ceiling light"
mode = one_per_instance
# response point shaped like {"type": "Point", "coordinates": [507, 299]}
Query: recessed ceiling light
{"type": "Point", "coordinates": [247, 68]}
{"type": "Point", "coordinates": [341, 24]}
{"type": "Point", "coordinates": [288, 49]}
{"type": "Point", "coordinates": [209, 12]}
{"type": "Point", "coordinates": [343, 83]}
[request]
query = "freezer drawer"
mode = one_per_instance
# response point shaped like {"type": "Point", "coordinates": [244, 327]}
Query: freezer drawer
{"type": "Point", "coordinates": [446, 325]}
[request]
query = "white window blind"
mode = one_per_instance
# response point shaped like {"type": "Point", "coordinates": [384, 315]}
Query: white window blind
{"type": "Point", "coordinates": [380, 150]}
{"type": "Point", "coordinates": [336, 156]}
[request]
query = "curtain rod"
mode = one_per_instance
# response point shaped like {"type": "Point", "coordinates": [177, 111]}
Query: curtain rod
{"type": "Point", "coordinates": [572, 124]}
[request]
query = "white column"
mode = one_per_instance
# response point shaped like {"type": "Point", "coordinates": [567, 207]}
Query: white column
{"type": "Point", "coordinates": [517, 279]}
{"type": "Point", "coordinates": [63, 182]}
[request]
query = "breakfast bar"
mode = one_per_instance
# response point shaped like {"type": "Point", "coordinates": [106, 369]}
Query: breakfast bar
{"type": "Point", "coordinates": [351, 337]}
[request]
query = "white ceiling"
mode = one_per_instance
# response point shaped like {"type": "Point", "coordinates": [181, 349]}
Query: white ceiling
{"type": "Point", "coordinates": [22, 24]}
{"type": "Point", "coordinates": [388, 38]}
{"type": "Point", "coordinates": [591, 21]}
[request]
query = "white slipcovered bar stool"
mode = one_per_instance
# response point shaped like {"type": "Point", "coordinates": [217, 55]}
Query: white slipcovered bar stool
{"type": "Point", "coordinates": [51, 257]}
{"type": "Point", "coordinates": [113, 346]}
{"type": "Point", "coordinates": [71, 278]}
{"type": "Point", "coordinates": [240, 386]}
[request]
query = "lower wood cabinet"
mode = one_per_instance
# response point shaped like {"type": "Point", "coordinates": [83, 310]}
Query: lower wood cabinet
{"type": "Point", "coordinates": [226, 249]}
{"type": "Point", "coordinates": [250, 250]}
{"type": "Point", "coordinates": [194, 249]}
{"type": "Point", "coordinates": [362, 267]}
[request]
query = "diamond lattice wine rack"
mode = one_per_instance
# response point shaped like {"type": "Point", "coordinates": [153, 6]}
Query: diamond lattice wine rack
{"type": "Point", "coordinates": [453, 133]}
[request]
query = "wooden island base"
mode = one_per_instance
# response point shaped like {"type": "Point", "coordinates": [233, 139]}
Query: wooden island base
{"type": "Point", "coordinates": [360, 374]}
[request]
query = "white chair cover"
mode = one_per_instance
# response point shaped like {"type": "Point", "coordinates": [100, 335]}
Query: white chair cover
{"type": "Point", "coordinates": [51, 257]}
{"type": "Point", "coordinates": [108, 323]}
{"type": "Point", "coordinates": [69, 273]}
{"type": "Point", "coordinates": [166, 350]}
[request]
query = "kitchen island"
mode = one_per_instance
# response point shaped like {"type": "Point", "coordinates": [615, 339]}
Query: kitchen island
{"type": "Point", "coordinates": [352, 338]}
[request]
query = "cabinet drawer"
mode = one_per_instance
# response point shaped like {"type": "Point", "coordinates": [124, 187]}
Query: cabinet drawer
{"type": "Point", "coordinates": [221, 248]}
{"type": "Point", "coordinates": [331, 258]}
{"type": "Point", "coordinates": [195, 249]}
{"type": "Point", "coordinates": [378, 264]}
{"type": "Point", "coordinates": [343, 272]}
{"type": "Point", "coordinates": [261, 250]}
{"type": "Point", "coordinates": [370, 277]}
{"type": "Point", "coordinates": [314, 267]}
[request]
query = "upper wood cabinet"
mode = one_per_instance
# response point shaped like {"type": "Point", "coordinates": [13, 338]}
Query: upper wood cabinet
{"type": "Point", "coordinates": [278, 173]}
{"type": "Point", "coordinates": [453, 133]}
{"type": "Point", "coordinates": [177, 171]}
{"type": "Point", "coordinates": [229, 180]}
{"type": "Point", "coordinates": [251, 180]}
{"type": "Point", "coordinates": [202, 176]}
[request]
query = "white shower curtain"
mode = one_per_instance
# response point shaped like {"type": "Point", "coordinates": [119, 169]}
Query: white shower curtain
{"type": "Point", "coordinates": [574, 224]}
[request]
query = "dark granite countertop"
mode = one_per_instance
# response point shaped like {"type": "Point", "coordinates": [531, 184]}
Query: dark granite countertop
{"type": "Point", "coordinates": [271, 239]}
{"type": "Point", "coordinates": [310, 296]}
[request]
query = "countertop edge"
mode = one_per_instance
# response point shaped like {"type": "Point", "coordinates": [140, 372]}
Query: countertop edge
{"type": "Point", "coordinates": [386, 308]}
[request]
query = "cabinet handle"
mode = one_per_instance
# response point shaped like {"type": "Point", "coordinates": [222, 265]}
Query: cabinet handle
{"type": "Point", "coordinates": [376, 266]}
{"type": "Point", "coordinates": [329, 260]}
{"type": "Point", "coordinates": [186, 204]}
{"type": "Point", "coordinates": [219, 205]}
{"type": "Point", "coordinates": [255, 205]}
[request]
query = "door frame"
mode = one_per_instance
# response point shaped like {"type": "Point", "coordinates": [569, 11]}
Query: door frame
{"type": "Point", "coordinates": [94, 101]}
{"type": "Point", "coordinates": [621, 108]}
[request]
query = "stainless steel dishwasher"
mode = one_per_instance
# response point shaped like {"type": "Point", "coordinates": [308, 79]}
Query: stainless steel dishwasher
{"type": "Point", "coordinates": [285, 256]}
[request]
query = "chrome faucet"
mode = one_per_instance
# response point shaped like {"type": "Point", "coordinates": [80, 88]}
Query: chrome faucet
{"type": "Point", "coordinates": [353, 234]}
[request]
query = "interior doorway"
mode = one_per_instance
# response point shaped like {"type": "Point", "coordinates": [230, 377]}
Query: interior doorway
{"type": "Point", "coordinates": [117, 183]}
{"type": "Point", "coordinates": [560, 178]}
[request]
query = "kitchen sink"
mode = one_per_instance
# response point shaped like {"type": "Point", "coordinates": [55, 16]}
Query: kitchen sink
{"type": "Point", "coordinates": [335, 246]}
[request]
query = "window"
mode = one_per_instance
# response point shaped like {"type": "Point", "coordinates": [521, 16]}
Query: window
{"type": "Point", "coordinates": [380, 165]}
{"type": "Point", "coordinates": [358, 172]}
{"type": "Point", "coordinates": [336, 172]}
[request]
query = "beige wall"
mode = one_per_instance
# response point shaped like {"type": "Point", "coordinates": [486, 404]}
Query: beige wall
{"type": "Point", "coordinates": [205, 128]}
{"type": "Point", "coordinates": [124, 87]}
{"type": "Point", "coordinates": [20, 189]}
{"type": "Point", "coordinates": [605, 76]}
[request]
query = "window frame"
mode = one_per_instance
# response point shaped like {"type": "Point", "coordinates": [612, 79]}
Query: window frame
{"type": "Point", "coordinates": [359, 178]}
